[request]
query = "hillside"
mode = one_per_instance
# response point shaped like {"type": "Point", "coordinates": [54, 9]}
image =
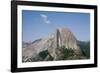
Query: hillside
{"type": "Point", "coordinates": [60, 45]}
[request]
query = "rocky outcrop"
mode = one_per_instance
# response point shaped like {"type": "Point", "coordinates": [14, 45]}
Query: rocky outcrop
{"type": "Point", "coordinates": [55, 44]}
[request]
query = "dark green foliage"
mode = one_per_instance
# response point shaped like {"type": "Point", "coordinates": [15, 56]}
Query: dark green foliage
{"type": "Point", "coordinates": [67, 52]}
{"type": "Point", "coordinates": [85, 48]}
{"type": "Point", "coordinates": [46, 55]}
{"type": "Point", "coordinates": [70, 54]}
{"type": "Point", "coordinates": [43, 54]}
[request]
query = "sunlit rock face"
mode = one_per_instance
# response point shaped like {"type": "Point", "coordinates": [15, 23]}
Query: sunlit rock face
{"type": "Point", "coordinates": [54, 44]}
{"type": "Point", "coordinates": [63, 37]}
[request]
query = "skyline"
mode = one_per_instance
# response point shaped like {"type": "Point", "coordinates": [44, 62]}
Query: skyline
{"type": "Point", "coordinates": [40, 24]}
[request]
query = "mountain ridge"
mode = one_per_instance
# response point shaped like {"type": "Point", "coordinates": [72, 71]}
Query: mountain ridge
{"type": "Point", "coordinates": [57, 47]}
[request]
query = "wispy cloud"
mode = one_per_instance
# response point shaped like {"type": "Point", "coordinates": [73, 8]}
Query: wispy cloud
{"type": "Point", "coordinates": [45, 18]}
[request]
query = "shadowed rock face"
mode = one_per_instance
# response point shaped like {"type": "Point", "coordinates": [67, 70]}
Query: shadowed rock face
{"type": "Point", "coordinates": [62, 37]}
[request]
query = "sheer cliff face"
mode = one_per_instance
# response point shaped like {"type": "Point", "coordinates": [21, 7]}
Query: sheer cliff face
{"type": "Point", "coordinates": [67, 39]}
{"type": "Point", "coordinates": [62, 37]}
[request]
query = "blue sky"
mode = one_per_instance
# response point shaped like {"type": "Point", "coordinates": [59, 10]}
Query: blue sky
{"type": "Point", "coordinates": [39, 24]}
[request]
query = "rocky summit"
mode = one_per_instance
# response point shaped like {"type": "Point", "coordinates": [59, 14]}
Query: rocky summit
{"type": "Point", "coordinates": [60, 45]}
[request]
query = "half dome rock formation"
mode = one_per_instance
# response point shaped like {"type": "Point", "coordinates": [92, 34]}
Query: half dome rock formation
{"type": "Point", "coordinates": [61, 45]}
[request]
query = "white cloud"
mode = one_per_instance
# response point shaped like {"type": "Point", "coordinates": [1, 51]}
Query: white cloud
{"type": "Point", "coordinates": [45, 18]}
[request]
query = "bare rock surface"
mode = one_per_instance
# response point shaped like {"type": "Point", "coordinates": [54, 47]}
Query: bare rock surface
{"type": "Point", "coordinates": [62, 37]}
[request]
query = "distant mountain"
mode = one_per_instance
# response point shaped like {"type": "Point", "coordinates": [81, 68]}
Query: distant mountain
{"type": "Point", "coordinates": [25, 44]}
{"type": "Point", "coordinates": [38, 40]}
{"type": "Point", "coordinates": [60, 45]}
